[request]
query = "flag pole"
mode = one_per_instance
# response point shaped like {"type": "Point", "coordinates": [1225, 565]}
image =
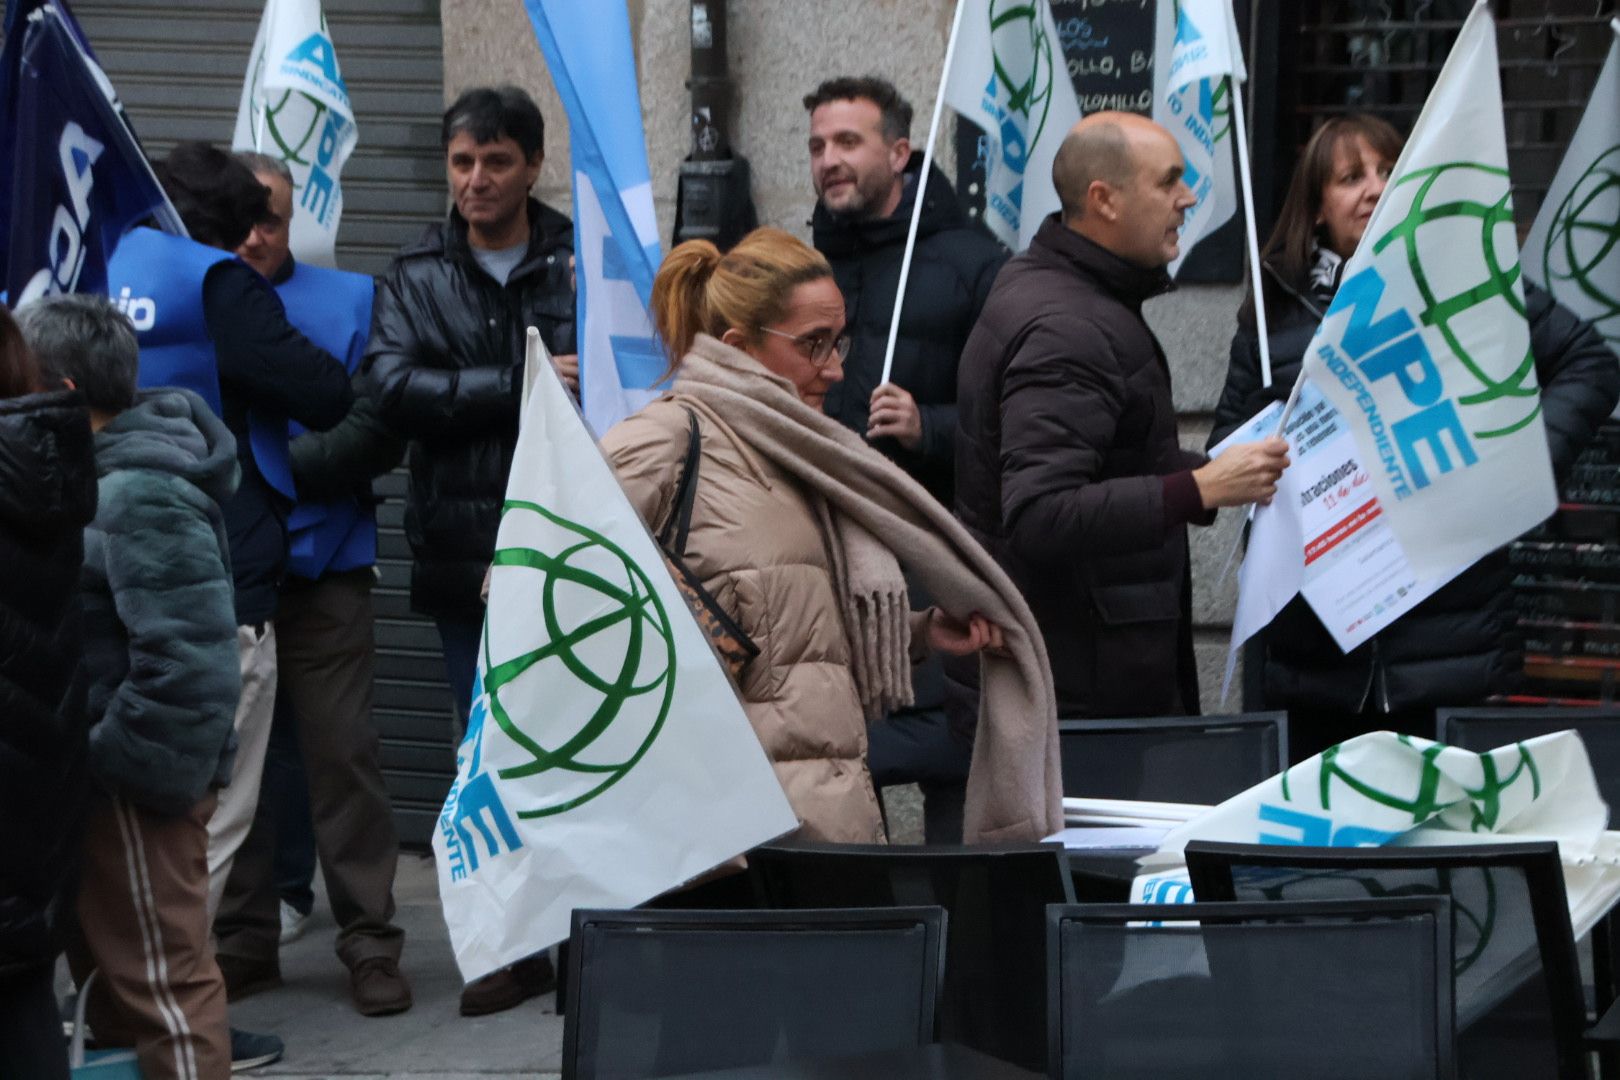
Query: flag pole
{"type": "Point", "coordinates": [917, 202]}
{"type": "Point", "coordinates": [1242, 138]}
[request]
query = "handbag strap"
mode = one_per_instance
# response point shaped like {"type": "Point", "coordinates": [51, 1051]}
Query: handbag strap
{"type": "Point", "coordinates": [686, 489]}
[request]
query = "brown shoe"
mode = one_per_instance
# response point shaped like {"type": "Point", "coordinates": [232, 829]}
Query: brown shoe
{"type": "Point", "coordinates": [511, 985]}
{"type": "Point", "coordinates": [378, 987]}
{"type": "Point", "coordinates": [245, 977]}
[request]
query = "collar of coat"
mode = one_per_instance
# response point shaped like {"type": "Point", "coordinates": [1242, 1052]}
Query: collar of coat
{"type": "Point", "coordinates": [1129, 283]}
{"type": "Point", "coordinates": [839, 236]}
{"type": "Point", "coordinates": [550, 233]}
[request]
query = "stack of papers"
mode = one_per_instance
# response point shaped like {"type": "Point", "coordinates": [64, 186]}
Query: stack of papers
{"type": "Point", "coordinates": [1121, 823]}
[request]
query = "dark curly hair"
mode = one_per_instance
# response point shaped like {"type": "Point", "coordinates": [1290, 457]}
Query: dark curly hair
{"type": "Point", "coordinates": [218, 197]}
{"type": "Point", "coordinates": [896, 110]}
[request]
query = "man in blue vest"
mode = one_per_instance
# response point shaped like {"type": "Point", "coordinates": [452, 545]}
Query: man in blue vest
{"type": "Point", "coordinates": [324, 653]}
{"type": "Point", "coordinates": [208, 322]}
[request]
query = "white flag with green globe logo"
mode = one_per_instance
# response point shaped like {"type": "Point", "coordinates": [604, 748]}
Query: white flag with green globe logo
{"type": "Point", "coordinates": [1198, 61]}
{"type": "Point", "coordinates": [607, 757]}
{"type": "Point", "coordinates": [295, 107]}
{"type": "Point", "coordinates": [1573, 249]}
{"type": "Point", "coordinates": [1008, 77]}
{"type": "Point", "coordinates": [1425, 349]}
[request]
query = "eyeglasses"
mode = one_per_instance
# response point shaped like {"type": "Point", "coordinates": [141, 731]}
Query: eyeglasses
{"type": "Point", "coordinates": [817, 346]}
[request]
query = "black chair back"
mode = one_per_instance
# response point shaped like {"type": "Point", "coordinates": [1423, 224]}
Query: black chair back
{"type": "Point", "coordinates": [664, 992]}
{"type": "Point", "coordinates": [1520, 1010]}
{"type": "Point", "coordinates": [1481, 729]}
{"type": "Point", "coordinates": [1319, 989]}
{"type": "Point", "coordinates": [1190, 759]}
{"type": "Point", "coordinates": [994, 998]}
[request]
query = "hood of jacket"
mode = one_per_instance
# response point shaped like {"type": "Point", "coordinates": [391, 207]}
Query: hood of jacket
{"type": "Point", "coordinates": [47, 472]}
{"type": "Point", "coordinates": [839, 236]}
{"type": "Point", "coordinates": [174, 431]}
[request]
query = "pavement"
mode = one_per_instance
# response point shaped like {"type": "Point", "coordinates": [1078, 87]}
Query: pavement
{"type": "Point", "coordinates": [326, 1038]}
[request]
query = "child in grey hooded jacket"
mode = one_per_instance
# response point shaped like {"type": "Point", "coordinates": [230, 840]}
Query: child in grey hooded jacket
{"type": "Point", "coordinates": [160, 655]}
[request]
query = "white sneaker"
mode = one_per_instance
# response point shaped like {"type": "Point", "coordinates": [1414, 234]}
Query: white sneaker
{"type": "Point", "coordinates": [293, 924]}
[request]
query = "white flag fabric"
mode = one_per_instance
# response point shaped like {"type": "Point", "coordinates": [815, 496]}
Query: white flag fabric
{"type": "Point", "coordinates": [1572, 248]}
{"type": "Point", "coordinates": [1425, 349]}
{"type": "Point", "coordinates": [1009, 78]}
{"type": "Point", "coordinates": [1198, 44]}
{"type": "Point", "coordinates": [607, 757]}
{"type": "Point", "coordinates": [295, 107]}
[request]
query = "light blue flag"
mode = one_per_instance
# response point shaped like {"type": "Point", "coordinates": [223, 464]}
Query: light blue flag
{"type": "Point", "coordinates": [588, 49]}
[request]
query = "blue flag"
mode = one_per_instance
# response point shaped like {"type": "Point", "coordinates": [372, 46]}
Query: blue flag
{"type": "Point", "coordinates": [588, 49]}
{"type": "Point", "coordinates": [73, 178]}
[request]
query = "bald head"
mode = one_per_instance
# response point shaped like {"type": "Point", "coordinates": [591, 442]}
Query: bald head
{"type": "Point", "coordinates": [1118, 176]}
{"type": "Point", "coordinates": [1101, 147]}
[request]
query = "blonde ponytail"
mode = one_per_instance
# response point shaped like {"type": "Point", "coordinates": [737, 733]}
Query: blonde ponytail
{"type": "Point", "coordinates": [700, 291]}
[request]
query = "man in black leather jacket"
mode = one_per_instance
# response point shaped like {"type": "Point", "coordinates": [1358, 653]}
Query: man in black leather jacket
{"type": "Point", "coordinates": [446, 353]}
{"type": "Point", "coordinates": [445, 364]}
{"type": "Point", "coordinates": [866, 179]}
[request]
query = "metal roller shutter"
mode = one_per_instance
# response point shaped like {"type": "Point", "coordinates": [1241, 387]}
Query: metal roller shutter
{"type": "Point", "coordinates": [179, 68]}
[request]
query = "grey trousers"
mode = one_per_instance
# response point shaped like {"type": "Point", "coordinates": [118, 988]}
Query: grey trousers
{"type": "Point", "coordinates": [325, 654]}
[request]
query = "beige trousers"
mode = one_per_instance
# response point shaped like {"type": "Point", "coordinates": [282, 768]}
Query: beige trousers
{"type": "Point", "coordinates": [256, 649]}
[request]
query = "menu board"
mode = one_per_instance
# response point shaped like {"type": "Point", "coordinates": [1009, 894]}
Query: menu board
{"type": "Point", "coordinates": [1108, 45]}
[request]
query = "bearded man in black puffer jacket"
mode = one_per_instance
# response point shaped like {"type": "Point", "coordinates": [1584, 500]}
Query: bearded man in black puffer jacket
{"type": "Point", "coordinates": [47, 497]}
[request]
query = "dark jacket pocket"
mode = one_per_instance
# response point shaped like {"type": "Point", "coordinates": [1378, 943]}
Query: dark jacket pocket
{"type": "Point", "coordinates": [1135, 655]}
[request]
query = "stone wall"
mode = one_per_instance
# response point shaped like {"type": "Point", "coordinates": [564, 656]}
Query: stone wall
{"type": "Point", "coordinates": [780, 50]}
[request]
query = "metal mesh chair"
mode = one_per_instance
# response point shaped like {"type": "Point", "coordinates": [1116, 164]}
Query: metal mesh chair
{"type": "Point", "coordinates": [1198, 759]}
{"type": "Point", "coordinates": [1519, 1007]}
{"type": "Point", "coordinates": [995, 984]}
{"type": "Point", "coordinates": [663, 992]}
{"type": "Point", "coordinates": [1327, 990]}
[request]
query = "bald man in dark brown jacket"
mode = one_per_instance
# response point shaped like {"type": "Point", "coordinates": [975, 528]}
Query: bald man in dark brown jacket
{"type": "Point", "coordinates": [1069, 469]}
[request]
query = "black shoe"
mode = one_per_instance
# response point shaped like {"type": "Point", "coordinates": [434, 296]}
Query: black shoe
{"type": "Point", "coordinates": [250, 1050]}
{"type": "Point", "coordinates": [511, 985]}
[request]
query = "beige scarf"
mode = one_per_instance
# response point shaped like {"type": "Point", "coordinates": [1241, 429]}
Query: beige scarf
{"type": "Point", "coordinates": [877, 519]}
{"type": "Point", "coordinates": [877, 612]}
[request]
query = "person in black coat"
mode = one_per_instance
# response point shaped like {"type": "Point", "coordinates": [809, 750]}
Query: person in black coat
{"type": "Point", "coordinates": [1460, 645]}
{"type": "Point", "coordinates": [47, 497]}
{"type": "Point", "coordinates": [445, 361]}
{"type": "Point", "coordinates": [867, 179]}
{"type": "Point", "coordinates": [1069, 469]}
{"type": "Point", "coordinates": [445, 364]}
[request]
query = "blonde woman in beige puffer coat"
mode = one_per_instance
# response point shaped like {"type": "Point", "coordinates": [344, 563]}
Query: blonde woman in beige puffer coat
{"type": "Point", "coordinates": [768, 320]}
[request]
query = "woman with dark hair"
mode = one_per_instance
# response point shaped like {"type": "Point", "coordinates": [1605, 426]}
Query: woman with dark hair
{"type": "Point", "coordinates": [47, 497]}
{"type": "Point", "coordinates": [798, 531]}
{"type": "Point", "coordinates": [1459, 646]}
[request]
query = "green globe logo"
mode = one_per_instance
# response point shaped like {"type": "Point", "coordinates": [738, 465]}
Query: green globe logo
{"type": "Point", "coordinates": [1024, 65]}
{"type": "Point", "coordinates": [581, 673]}
{"type": "Point", "coordinates": [1462, 251]}
{"type": "Point", "coordinates": [1583, 245]}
